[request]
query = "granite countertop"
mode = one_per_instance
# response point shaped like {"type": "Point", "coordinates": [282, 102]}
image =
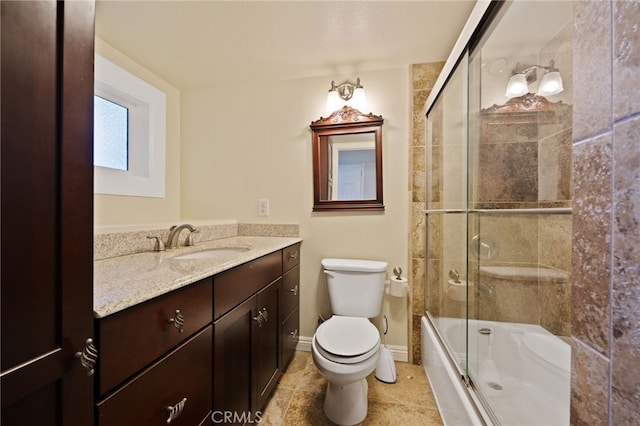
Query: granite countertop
{"type": "Point", "coordinates": [122, 282]}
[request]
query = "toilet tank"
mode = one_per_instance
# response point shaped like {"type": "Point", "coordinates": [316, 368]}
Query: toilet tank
{"type": "Point", "coordinates": [355, 286]}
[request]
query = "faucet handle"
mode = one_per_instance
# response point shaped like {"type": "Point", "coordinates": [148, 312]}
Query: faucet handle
{"type": "Point", "coordinates": [189, 241]}
{"type": "Point", "coordinates": [159, 245]}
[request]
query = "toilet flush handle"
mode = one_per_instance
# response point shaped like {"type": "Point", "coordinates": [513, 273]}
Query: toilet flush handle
{"type": "Point", "coordinates": [329, 273]}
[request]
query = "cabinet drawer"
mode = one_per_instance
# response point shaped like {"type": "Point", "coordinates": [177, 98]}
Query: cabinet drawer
{"type": "Point", "coordinates": [290, 336]}
{"type": "Point", "coordinates": [184, 373]}
{"type": "Point", "coordinates": [132, 339]}
{"type": "Point", "coordinates": [290, 257]}
{"type": "Point", "coordinates": [290, 293]}
{"type": "Point", "coordinates": [231, 287]}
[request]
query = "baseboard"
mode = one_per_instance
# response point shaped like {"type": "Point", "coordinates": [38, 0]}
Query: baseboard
{"type": "Point", "coordinates": [400, 353]}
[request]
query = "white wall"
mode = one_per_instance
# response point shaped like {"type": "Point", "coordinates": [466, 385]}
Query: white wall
{"type": "Point", "coordinates": [247, 142]}
{"type": "Point", "coordinates": [112, 210]}
{"type": "Point", "coordinates": [229, 146]}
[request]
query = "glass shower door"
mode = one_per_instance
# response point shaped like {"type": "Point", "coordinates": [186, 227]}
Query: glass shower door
{"type": "Point", "coordinates": [519, 222]}
{"type": "Point", "coordinates": [446, 215]}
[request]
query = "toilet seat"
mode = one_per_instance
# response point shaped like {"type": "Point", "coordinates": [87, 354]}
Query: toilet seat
{"type": "Point", "coordinates": [347, 340]}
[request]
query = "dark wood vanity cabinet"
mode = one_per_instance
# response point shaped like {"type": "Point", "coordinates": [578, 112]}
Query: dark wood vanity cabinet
{"type": "Point", "coordinates": [155, 360]}
{"type": "Point", "coordinates": [247, 336]}
{"type": "Point", "coordinates": [211, 349]}
{"type": "Point", "coordinates": [289, 304]}
{"type": "Point", "coordinates": [131, 339]}
{"type": "Point", "coordinates": [176, 389]}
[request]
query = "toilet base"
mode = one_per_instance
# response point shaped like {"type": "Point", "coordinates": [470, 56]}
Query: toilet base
{"type": "Point", "coordinates": [346, 405]}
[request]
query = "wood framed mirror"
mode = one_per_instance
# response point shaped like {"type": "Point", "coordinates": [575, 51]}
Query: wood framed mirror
{"type": "Point", "coordinates": [347, 161]}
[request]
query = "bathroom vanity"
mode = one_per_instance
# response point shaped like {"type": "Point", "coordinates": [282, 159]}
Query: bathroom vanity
{"type": "Point", "coordinates": [217, 341]}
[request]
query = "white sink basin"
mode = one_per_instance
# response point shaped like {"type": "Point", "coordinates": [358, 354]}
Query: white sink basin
{"type": "Point", "coordinates": [212, 253]}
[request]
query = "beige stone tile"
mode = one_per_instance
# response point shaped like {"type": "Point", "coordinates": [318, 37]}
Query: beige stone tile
{"type": "Point", "coordinates": [384, 413]}
{"type": "Point", "coordinates": [513, 238]}
{"type": "Point", "coordinates": [555, 307]}
{"type": "Point", "coordinates": [554, 167]}
{"type": "Point", "coordinates": [554, 234]}
{"type": "Point", "coordinates": [625, 347]}
{"type": "Point", "coordinates": [274, 412]}
{"type": "Point", "coordinates": [418, 130]}
{"type": "Point", "coordinates": [589, 386]}
{"type": "Point", "coordinates": [434, 175]}
{"type": "Point", "coordinates": [425, 75]}
{"type": "Point", "coordinates": [417, 286]}
{"type": "Point", "coordinates": [418, 186]}
{"type": "Point", "coordinates": [411, 387]}
{"type": "Point", "coordinates": [306, 408]}
{"type": "Point", "coordinates": [509, 172]}
{"type": "Point", "coordinates": [419, 98]}
{"type": "Point", "coordinates": [408, 401]}
{"type": "Point", "coordinates": [591, 242]}
{"type": "Point", "coordinates": [418, 224]}
{"type": "Point", "coordinates": [592, 68]}
{"type": "Point", "coordinates": [434, 290]}
{"type": "Point", "coordinates": [626, 58]}
{"type": "Point", "coordinates": [416, 339]}
{"type": "Point", "coordinates": [296, 371]}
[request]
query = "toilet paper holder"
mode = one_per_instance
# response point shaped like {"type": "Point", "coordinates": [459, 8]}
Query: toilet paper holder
{"type": "Point", "coordinates": [398, 285]}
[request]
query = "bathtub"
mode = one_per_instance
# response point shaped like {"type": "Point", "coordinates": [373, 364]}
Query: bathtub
{"type": "Point", "coordinates": [520, 373]}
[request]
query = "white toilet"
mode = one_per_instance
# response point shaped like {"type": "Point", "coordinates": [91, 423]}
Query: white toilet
{"type": "Point", "coordinates": [346, 347]}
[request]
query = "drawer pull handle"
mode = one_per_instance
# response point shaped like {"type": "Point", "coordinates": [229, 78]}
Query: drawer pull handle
{"type": "Point", "coordinates": [293, 255]}
{"type": "Point", "coordinates": [259, 318]}
{"type": "Point", "coordinates": [177, 321]}
{"type": "Point", "coordinates": [88, 356]}
{"type": "Point", "coordinates": [262, 317]}
{"type": "Point", "coordinates": [294, 290]}
{"type": "Point", "coordinates": [175, 411]}
{"type": "Point", "coordinates": [294, 333]}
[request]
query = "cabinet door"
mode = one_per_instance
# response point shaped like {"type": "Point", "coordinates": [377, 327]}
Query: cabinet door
{"type": "Point", "coordinates": [232, 347]}
{"type": "Point", "coordinates": [47, 211]}
{"type": "Point", "coordinates": [266, 343]}
{"type": "Point", "coordinates": [181, 380]}
{"type": "Point", "coordinates": [289, 337]}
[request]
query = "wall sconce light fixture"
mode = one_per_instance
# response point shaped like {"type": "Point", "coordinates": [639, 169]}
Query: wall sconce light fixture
{"type": "Point", "coordinates": [346, 93]}
{"type": "Point", "coordinates": [551, 83]}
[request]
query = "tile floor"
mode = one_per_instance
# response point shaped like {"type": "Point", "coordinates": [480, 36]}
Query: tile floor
{"type": "Point", "coordinates": [299, 397]}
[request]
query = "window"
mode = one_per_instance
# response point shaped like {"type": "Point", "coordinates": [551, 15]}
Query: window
{"type": "Point", "coordinates": [129, 133]}
{"type": "Point", "coordinates": [111, 134]}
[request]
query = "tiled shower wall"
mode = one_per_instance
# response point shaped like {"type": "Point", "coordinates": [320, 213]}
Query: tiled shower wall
{"type": "Point", "coordinates": [605, 379]}
{"type": "Point", "coordinates": [423, 77]}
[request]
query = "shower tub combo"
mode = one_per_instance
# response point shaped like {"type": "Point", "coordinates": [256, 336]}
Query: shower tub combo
{"type": "Point", "coordinates": [521, 371]}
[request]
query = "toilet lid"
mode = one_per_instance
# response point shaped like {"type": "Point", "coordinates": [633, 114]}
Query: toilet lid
{"type": "Point", "coordinates": [347, 336]}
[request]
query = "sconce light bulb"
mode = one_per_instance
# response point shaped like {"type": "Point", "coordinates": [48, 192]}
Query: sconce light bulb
{"type": "Point", "coordinates": [517, 86]}
{"type": "Point", "coordinates": [551, 84]}
{"type": "Point", "coordinates": [334, 102]}
{"type": "Point", "coordinates": [359, 100]}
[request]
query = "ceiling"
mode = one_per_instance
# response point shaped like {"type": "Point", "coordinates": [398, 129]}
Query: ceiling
{"type": "Point", "coordinates": [195, 44]}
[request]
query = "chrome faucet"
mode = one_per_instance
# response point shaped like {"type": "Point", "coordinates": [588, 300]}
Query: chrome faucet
{"type": "Point", "coordinates": [174, 233]}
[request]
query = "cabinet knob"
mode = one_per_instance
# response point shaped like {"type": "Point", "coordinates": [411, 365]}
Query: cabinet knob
{"type": "Point", "coordinates": [177, 321]}
{"type": "Point", "coordinates": [293, 255]}
{"type": "Point", "coordinates": [174, 411]}
{"type": "Point", "coordinates": [88, 356]}
{"type": "Point", "coordinates": [265, 314]}
{"type": "Point", "coordinates": [294, 290]}
{"type": "Point", "coordinates": [294, 333]}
